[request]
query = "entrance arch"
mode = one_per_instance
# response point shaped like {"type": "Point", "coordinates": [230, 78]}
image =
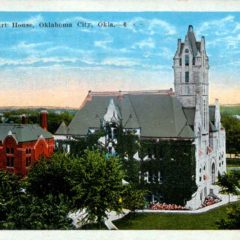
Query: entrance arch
{"type": "Point", "coordinates": [213, 173]}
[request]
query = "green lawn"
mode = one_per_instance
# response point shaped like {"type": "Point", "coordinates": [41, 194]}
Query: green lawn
{"type": "Point", "coordinates": [171, 221]}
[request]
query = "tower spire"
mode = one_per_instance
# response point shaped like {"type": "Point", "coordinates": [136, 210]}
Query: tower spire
{"type": "Point", "coordinates": [191, 74]}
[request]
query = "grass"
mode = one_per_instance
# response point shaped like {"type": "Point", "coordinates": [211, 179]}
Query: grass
{"type": "Point", "coordinates": [171, 221]}
{"type": "Point", "coordinates": [233, 166]}
{"type": "Point", "coordinates": [230, 109]}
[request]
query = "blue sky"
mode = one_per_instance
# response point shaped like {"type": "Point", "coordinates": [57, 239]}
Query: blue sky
{"type": "Point", "coordinates": [53, 66]}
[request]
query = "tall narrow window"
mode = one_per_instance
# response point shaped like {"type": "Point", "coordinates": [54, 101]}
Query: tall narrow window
{"type": "Point", "coordinates": [186, 57]}
{"type": "Point", "coordinates": [186, 77]}
{"type": "Point", "coordinates": [10, 161]}
{"type": "Point", "coordinates": [204, 114]}
{"type": "Point", "coordinates": [28, 161]}
{"type": "Point", "coordinates": [186, 60]}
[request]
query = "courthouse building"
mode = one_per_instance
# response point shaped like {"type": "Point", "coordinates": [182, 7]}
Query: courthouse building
{"type": "Point", "coordinates": [164, 115]}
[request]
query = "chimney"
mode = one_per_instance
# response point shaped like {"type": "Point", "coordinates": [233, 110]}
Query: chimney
{"type": "Point", "coordinates": [43, 119]}
{"type": "Point", "coordinates": [24, 118]}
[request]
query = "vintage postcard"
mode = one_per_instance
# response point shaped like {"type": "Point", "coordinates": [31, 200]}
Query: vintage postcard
{"type": "Point", "coordinates": [120, 117]}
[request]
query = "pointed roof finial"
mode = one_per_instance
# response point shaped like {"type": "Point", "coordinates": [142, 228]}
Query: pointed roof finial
{"type": "Point", "coordinates": [190, 28]}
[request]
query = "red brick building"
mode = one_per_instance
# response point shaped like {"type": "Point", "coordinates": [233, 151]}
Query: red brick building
{"type": "Point", "coordinates": [23, 144]}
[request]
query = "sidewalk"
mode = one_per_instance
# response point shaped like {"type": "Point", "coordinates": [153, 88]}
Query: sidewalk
{"type": "Point", "coordinates": [112, 216]}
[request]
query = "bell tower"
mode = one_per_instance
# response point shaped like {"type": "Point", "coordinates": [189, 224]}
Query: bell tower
{"type": "Point", "coordinates": [190, 65]}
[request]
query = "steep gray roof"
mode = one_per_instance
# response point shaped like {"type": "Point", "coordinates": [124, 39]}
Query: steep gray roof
{"type": "Point", "coordinates": [194, 44]}
{"type": "Point", "coordinates": [23, 132]}
{"type": "Point", "coordinates": [157, 115]}
{"type": "Point", "coordinates": [192, 41]}
{"type": "Point", "coordinates": [62, 129]}
{"type": "Point", "coordinates": [190, 115]}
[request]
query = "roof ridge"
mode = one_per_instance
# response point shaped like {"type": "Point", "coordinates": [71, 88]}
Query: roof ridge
{"type": "Point", "coordinates": [137, 92]}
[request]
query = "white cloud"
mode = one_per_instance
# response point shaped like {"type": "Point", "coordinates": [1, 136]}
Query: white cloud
{"type": "Point", "coordinates": [33, 60]}
{"type": "Point", "coordinates": [218, 26]}
{"type": "Point", "coordinates": [146, 43]}
{"type": "Point", "coordinates": [103, 43]}
{"type": "Point", "coordinates": [168, 28]}
{"type": "Point", "coordinates": [29, 48]}
{"type": "Point", "coordinates": [34, 20]}
{"type": "Point", "coordinates": [120, 62]}
{"type": "Point", "coordinates": [151, 26]}
{"type": "Point", "coordinates": [166, 53]}
{"type": "Point", "coordinates": [223, 36]}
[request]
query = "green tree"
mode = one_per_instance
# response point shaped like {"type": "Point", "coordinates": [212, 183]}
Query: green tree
{"type": "Point", "coordinates": [21, 210]}
{"type": "Point", "coordinates": [91, 182]}
{"type": "Point", "coordinates": [31, 212]}
{"type": "Point", "coordinates": [233, 219]}
{"type": "Point", "coordinates": [229, 183]}
{"type": "Point", "coordinates": [90, 142]}
{"type": "Point", "coordinates": [53, 176]}
{"type": "Point", "coordinates": [54, 120]}
{"type": "Point", "coordinates": [10, 191]}
{"type": "Point", "coordinates": [133, 198]}
{"type": "Point", "coordinates": [232, 127]}
{"type": "Point", "coordinates": [102, 184]}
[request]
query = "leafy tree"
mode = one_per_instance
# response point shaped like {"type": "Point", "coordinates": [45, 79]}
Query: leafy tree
{"type": "Point", "coordinates": [133, 198]}
{"type": "Point", "coordinates": [229, 183]}
{"type": "Point", "coordinates": [233, 219]}
{"type": "Point", "coordinates": [53, 176]}
{"type": "Point", "coordinates": [232, 127]}
{"type": "Point", "coordinates": [90, 142]}
{"type": "Point", "coordinates": [20, 209]}
{"type": "Point", "coordinates": [10, 191]}
{"type": "Point", "coordinates": [33, 116]}
{"type": "Point", "coordinates": [54, 120]}
{"type": "Point", "coordinates": [102, 184]}
{"type": "Point", "coordinates": [91, 182]}
{"type": "Point", "coordinates": [49, 212]}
